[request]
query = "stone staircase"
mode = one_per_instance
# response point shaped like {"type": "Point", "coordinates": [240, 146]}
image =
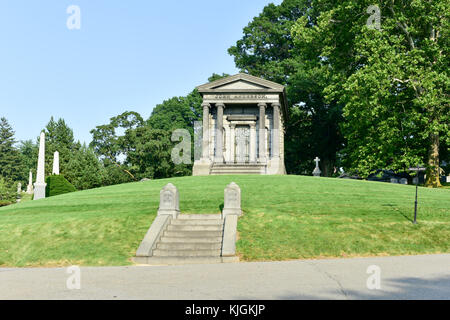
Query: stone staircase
{"type": "Point", "coordinates": [245, 168]}
{"type": "Point", "coordinates": [191, 239]}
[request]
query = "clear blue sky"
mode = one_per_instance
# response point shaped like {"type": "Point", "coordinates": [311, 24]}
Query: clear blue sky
{"type": "Point", "coordinates": [128, 55]}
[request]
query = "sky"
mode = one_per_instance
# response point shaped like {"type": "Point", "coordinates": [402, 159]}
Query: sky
{"type": "Point", "coordinates": [125, 56]}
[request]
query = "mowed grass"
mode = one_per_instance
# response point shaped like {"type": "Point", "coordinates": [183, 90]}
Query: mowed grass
{"type": "Point", "coordinates": [285, 217]}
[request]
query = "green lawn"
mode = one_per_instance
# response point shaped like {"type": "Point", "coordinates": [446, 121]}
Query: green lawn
{"type": "Point", "coordinates": [285, 217]}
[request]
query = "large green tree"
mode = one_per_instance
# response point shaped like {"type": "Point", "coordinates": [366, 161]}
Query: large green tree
{"type": "Point", "coordinates": [267, 50]}
{"type": "Point", "coordinates": [10, 160]}
{"type": "Point", "coordinates": [393, 80]}
{"type": "Point", "coordinates": [58, 137]}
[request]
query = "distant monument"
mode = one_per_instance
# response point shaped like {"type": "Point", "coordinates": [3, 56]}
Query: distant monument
{"type": "Point", "coordinates": [317, 171]}
{"type": "Point", "coordinates": [30, 184]}
{"type": "Point", "coordinates": [56, 163]}
{"type": "Point", "coordinates": [39, 186]}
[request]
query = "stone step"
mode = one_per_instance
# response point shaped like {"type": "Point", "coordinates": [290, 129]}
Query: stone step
{"type": "Point", "coordinates": [165, 239]}
{"type": "Point", "coordinates": [195, 228]}
{"type": "Point", "coordinates": [199, 217]}
{"type": "Point", "coordinates": [164, 261]}
{"type": "Point", "coordinates": [186, 253]}
{"type": "Point", "coordinates": [197, 222]}
{"type": "Point", "coordinates": [193, 234]}
{"type": "Point", "coordinates": [189, 246]}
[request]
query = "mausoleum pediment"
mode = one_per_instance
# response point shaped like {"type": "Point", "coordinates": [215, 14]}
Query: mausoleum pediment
{"type": "Point", "coordinates": [240, 83]}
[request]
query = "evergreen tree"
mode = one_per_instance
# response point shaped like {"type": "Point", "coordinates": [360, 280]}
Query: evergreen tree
{"type": "Point", "coordinates": [10, 160]}
{"type": "Point", "coordinates": [84, 170]}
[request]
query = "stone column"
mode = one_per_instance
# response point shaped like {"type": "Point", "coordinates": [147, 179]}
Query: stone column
{"type": "Point", "coordinates": [232, 142]}
{"type": "Point", "coordinates": [253, 143]}
{"type": "Point", "coordinates": [39, 186]}
{"type": "Point", "coordinates": [56, 163]}
{"type": "Point", "coordinates": [30, 184]}
{"type": "Point", "coordinates": [219, 133]}
{"type": "Point", "coordinates": [276, 130]}
{"type": "Point", "coordinates": [262, 132]}
{"type": "Point", "coordinates": [205, 144]}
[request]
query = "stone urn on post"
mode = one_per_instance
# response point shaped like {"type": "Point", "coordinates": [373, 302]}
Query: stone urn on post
{"type": "Point", "coordinates": [169, 203]}
{"type": "Point", "coordinates": [232, 200]}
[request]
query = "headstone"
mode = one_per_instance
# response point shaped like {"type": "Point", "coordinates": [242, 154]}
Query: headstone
{"type": "Point", "coordinates": [19, 188]}
{"type": "Point", "coordinates": [30, 184]}
{"type": "Point", "coordinates": [415, 180]}
{"type": "Point", "coordinates": [394, 180]}
{"type": "Point", "coordinates": [56, 163]}
{"type": "Point", "coordinates": [403, 181]}
{"type": "Point", "coordinates": [317, 172]}
{"type": "Point", "coordinates": [169, 201]}
{"type": "Point", "coordinates": [232, 203]}
{"type": "Point", "coordinates": [39, 186]}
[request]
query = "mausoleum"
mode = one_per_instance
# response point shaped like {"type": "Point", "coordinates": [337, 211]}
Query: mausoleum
{"type": "Point", "coordinates": [243, 127]}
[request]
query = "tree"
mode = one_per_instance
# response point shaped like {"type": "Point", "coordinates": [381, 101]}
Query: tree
{"type": "Point", "coordinates": [58, 137]}
{"type": "Point", "coordinates": [29, 154]}
{"type": "Point", "coordinates": [392, 82]}
{"type": "Point", "coordinates": [10, 160]}
{"type": "Point", "coordinates": [110, 146]}
{"type": "Point", "coordinates": [84, 170]}
{"type": "Point", "coordinates": [267, 50]}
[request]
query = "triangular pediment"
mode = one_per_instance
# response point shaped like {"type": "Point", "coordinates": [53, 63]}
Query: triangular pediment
{"type": "Point", "coordinates": [241, 81]}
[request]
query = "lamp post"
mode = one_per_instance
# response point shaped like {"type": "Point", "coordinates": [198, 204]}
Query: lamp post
{"type": "Point", "coordinates": [418, 169]}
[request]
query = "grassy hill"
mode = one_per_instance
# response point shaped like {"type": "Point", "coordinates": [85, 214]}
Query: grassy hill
{"type": "Point", "coordinates": [285, 217]}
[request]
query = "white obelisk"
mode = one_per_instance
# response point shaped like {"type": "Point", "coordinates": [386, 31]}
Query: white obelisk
{"type": "Point", "coordinates": [56, 163]}
{"type": "Point", "coordinates": [39, 186]}
{"type": "Point", "coordinates": [30, 184]}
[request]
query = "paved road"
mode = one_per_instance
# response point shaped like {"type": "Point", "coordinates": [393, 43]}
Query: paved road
{"type": "Point", "coordinates": [413, 277]}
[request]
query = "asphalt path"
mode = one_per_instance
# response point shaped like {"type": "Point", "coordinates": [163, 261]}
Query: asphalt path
{"type": "Point", "coordinates": [408, 277]}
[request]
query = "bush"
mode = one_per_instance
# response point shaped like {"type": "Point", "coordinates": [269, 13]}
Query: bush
{"type": "Point", "coordinates": [4, 203]}
{"type": "Point", "coordinates": [57, 185]}
{"type": "Point", "coordinates": [8, 193]}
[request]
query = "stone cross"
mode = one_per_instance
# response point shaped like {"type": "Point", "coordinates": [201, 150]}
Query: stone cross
{"type": "Point", "coordinates": [56, 163]}
{"type": "Point", "coordinates": [232, 203]}
{"type": "Point", "coordinates": [317, 171]}
{"type": "Point", "coordinates": [169, 201]}
{"type": "Point", "coordinates": [39, 186]}
{"type": "Point", "coordinates": [30, 184]}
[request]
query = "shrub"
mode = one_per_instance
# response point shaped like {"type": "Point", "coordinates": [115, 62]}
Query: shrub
{"type": "Point", "coordinates": [8, 194]}
{"type": "Point", "coordinates": [57, 185]}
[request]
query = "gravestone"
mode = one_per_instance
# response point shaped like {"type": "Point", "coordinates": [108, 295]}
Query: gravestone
{"type": "Point", "coordinates": [415, 180]}
{"type": "Point", "coordinates": [39, 185]}
{"type": "Point", "coordinates": [169, 201]}
{"type": "Point", "coordinates": [232, 203]}
{"type": "Point", "coordinates": [19, 188]}
{"type": "Point", "coordinates": [317, 172]}
{"type": "Point", "coordinates": [56, 163]}
{"type": "Point", "coordinates": [30, 184]}
{"type": "Point", "coordinates": [394, 180]}
{"type": "Point", "coordinates": [403, 181]}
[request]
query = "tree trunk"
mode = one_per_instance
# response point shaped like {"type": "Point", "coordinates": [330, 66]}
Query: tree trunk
{"type": "Point", "coordinates": [433, 174]}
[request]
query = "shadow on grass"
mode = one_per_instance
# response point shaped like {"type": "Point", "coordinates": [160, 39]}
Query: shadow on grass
{"type": "Point", "coordinates": [398, 211]}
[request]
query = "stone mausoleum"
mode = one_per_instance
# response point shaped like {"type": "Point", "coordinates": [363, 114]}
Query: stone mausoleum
{"type": "Point", "coordinates": [243, 131]}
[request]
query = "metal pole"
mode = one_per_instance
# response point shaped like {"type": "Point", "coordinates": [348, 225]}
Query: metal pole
{"type": "Point", "coordinates": [415, 205]}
